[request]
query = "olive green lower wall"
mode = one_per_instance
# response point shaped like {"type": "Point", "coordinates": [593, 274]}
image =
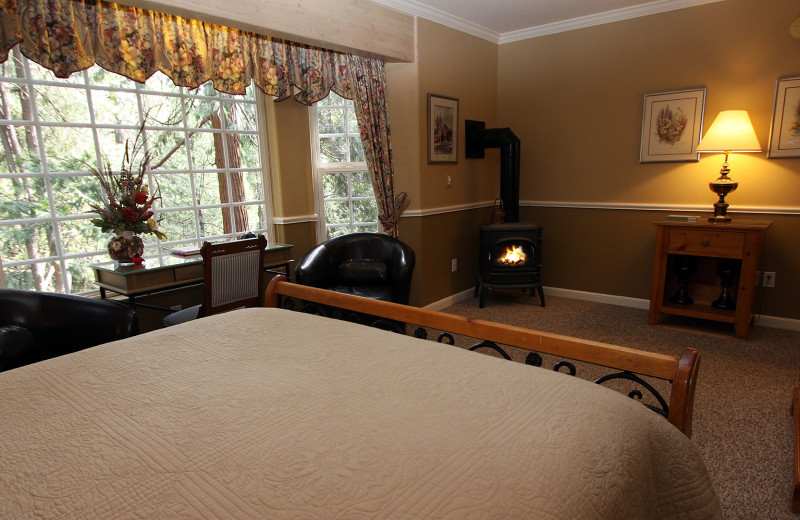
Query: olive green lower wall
{"type": "Point", "coordinates": [611, 252]}
{"type": "Point", "coordinates": [604, 251]}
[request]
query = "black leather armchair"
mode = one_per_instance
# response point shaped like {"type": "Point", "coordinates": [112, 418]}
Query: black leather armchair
{"type": "Point", "coordinates": [372, 265]}
{"type": "Point", "coordinates": [35, 326]}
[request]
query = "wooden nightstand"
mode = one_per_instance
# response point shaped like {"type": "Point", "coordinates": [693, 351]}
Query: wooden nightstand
{"type": "Point", "coordinates": [692, 262]}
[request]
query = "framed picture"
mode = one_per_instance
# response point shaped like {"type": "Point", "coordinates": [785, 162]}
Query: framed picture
{"type": "Point", "coordinates": [784, 136]}
{"type": "Point", "coordinates": [671, 125]}
{"type": "Point", "coordinates": [442, 129]}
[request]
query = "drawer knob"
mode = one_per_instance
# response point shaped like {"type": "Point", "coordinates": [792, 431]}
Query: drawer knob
{"type": "Point", "coordinates": [704, 241]}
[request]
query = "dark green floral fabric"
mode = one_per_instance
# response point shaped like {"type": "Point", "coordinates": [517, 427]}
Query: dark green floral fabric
{"type": "Point", "coordinates": [66, 36]}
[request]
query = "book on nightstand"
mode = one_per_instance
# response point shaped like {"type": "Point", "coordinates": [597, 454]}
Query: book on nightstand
{"type": "Point", "coordinates": [683, 218]}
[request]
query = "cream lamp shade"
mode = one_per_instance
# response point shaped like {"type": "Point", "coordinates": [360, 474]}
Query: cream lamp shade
{"type": "Point", "coordinates": [731, 131]}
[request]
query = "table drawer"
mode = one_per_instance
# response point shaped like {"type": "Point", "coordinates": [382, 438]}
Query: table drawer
{"type": "Point", "coordinates": [706, 242]}
{"type": "Point", "coordinates": [189, 272]}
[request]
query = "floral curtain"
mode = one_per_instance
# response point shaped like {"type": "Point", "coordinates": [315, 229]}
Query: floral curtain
{"type": "Point", "coordinates": [66, 36]}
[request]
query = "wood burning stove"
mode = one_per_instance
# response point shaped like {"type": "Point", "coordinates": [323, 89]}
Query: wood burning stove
{"type": "Point", "coordinates": [510, 257]}
{"type": "Point", "coordinates": [510, 253]}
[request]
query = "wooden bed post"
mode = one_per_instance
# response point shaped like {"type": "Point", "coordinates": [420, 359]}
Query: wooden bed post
{"type": "Point", "coordinates": [271, 294]}
{"type": "Point", "coordinates": [681, 402]}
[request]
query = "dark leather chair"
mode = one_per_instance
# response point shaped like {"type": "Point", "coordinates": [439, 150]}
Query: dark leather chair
{"type": "Point", "coordinates": [372, 265]}
{"type": "Point", "coordinates": [35, 326]}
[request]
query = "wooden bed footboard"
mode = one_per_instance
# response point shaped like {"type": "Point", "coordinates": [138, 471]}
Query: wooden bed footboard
{"type": "Point", "coordinates": [680, 370]}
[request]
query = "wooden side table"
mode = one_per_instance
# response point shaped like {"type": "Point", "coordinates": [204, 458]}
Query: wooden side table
{"type": "Point", "coordinates": [708, 270]}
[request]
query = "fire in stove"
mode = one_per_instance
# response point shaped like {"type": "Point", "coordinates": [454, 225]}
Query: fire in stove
{"type": "Point", "coordinates": [514, 255]}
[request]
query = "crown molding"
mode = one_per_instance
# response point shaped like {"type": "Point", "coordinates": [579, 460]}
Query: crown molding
{"type": "Point", "coordinates": [626, 13]}
{"type": "Point", "coordinates": [414, 8]}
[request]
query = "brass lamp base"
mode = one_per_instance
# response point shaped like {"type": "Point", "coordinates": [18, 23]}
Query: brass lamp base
{"type": "Point", "coordinates": [722, 187]}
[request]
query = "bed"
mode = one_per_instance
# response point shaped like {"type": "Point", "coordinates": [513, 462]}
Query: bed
{"type": "Point", "coordinates": [274, 413]}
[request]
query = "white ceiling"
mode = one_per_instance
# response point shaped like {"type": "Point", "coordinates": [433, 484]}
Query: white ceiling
{"type": "Point", "coordinates": [503, 21]}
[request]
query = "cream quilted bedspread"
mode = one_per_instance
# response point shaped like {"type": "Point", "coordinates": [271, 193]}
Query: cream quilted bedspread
{"type": "Point", "coordinates": [267, 413]}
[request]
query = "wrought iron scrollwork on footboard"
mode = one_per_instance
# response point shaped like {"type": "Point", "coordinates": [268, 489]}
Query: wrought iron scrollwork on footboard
{"type": "Point", "coordinates": [533, 358]}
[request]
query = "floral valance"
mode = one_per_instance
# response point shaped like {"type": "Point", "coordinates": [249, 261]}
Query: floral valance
{"type": "Point", "coordinates": [66, 36]}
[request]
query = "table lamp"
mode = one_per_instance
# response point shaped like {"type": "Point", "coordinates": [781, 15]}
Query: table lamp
{"type": "Point", "coordinates": [730, 132]}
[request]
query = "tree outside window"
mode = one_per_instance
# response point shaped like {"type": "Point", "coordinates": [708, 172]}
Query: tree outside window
{"type": "Point", "coordinates": [206, 165]}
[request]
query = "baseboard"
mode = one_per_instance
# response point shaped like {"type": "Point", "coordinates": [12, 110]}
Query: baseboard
{"type": "Point", "coordinates": [624, 301]}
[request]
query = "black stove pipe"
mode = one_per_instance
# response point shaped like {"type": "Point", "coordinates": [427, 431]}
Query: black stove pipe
{"type": "Point", "coordinates": [479, 138]}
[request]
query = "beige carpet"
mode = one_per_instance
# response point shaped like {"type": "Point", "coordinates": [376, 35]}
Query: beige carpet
{"type": "Point", "coordinates": [742, 415]}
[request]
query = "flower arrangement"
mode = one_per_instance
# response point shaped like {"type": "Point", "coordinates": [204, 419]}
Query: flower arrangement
{"type": "Point", "coordinates": [127, 202]}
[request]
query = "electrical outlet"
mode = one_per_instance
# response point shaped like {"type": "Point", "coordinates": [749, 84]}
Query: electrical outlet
{"type": "Point", "coordinates": [454, 265]}
{"type": "Point", "coordinates": [769, 279]}
{"type": "Point", "coordinates": [449, 181]}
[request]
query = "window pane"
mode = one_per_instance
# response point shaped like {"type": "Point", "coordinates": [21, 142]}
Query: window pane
{"type": "Point", "coordinates": [113, 143]}
{"type": "Point", "coordinates": [362, 187]}
{"type": "Point", "coordinates": [175, 189]}
{"type": "Point", "coordinates": [240, 116]}
{"type": "Point", "coordinates": [337, 212]}
{"type": "Point", "coordinates": [81, 274]}
{"type": "Point", "coordinates": [27, 160]}
{"type": "Point", "coordinates": [333, 149]}
{"type": "Point", "coordinates": [167, 150]}
{"type": "Point", "coordinates": [68, 149]}
{"type": "Point", "coordinates": [80, 236]}
{"type": "Point", "coordinates": [199, 113]}
{"type": "Point", "coordinates": [74, 194]}
{"type": "Point", "coordinates": [352, 123]}
{"type": "Point", "coordinates": [254, 185]}
{"type": "Point", "coordinates": [202, 147]}
{"type": "Point", "coordinates": [23, 197]}
{"type": "Point", "coordinates": [62, 105]}
{"type": "Point", "coordinates": [39, 277]}
{"type": "Point", "coordinates": [256, 216]}
{"type": "Point", "coordinates": [356, 150]}
{"type": "Point", "coordinates": [162, 110]}
{"type": "Point", "coordinates": [365, 211]}
{"type": "Point", "coordinates": [334, 185]}
{"type": "Point", "coordinates": [178, 225]}
{"type": "Point", "coordinates": [249, 151]}
{"type": "Point", "coordinates": [331, 120]}
{"type": "Point", "coordinates": [15, 93]}
{"type": "Point", "coordinates": [26, 242]}
{"type": "Point", "coordinates": [211, 221]}
{"type": "Point", "coordinates": [207, 186]}
{"type": "Point", "coordinates": [115, 107]}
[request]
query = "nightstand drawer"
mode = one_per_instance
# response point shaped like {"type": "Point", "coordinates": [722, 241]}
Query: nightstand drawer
{"type": "Point", "coordinates": [706, 242]}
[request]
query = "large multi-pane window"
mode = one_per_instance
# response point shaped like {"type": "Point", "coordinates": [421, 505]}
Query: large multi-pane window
{"type": "Point", "coordinates": [205, 165]}
{"type": "Point", "coordinates": [344, 191]}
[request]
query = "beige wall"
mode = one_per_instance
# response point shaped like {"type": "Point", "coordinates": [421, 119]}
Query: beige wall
{"type": "Point", "coordinates": [453, 64]}
{"type": "Point", "coordinates": [575, 100]}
